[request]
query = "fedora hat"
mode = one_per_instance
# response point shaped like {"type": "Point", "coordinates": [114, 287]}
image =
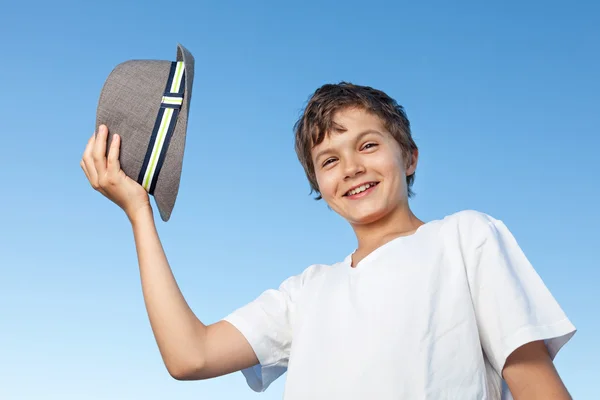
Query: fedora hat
{"type": "Point", "coordinates": [147, 103]}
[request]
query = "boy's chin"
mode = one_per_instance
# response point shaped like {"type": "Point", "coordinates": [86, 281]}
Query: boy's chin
{"type": "Point", "coordinates": [365, 217]}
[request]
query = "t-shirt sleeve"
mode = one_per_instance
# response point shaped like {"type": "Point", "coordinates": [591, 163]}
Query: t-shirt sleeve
{"type": "Point", "coordinates": [266, 323]}
{"type": "Point", "coordinates": [512, 304]}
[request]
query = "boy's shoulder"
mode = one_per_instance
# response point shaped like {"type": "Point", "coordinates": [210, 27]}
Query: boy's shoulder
{"type": "Point", "coordinates": [469, 224]}
{"type": "Point", "coordinates": [469, 218]}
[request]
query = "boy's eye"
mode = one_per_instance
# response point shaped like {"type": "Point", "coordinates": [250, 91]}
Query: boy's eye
{"type": "Point", "coordinates": [369, 146]}
{"type": "Point", "coordinates": [328, 161]}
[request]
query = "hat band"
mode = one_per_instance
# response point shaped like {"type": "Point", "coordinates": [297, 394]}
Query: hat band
{"type": "Point", "coordinates": [164, 126]}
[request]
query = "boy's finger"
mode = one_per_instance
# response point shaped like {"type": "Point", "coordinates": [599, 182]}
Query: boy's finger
{"type": "Point", "coordinates": [90, 142]}
{"type": "Point", "coordinates": [87, 152]}
{"type": "Point", "coordinates": [99, 150]}
{"type": "Point", "coordinates": [114, 166]}
{"type": "Point", "coordinates": [85, 171]}
{"type": "Point", "coordinates": [87, 162]}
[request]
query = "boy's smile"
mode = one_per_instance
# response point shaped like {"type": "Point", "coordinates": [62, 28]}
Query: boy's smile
{"type": "Point", "coordinates": [360, 168]}
{"type": "Point", "coordinates": [361, 190]}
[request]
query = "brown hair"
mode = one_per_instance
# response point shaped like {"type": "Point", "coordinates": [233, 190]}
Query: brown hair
{"type": "Point", "coordinates": [317, 121]}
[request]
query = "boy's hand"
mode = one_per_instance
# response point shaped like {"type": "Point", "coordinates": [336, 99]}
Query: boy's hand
{"type": "Point", "coordinates": [106, 176]}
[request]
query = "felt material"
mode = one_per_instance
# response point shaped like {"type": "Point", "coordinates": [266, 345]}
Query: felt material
{"type": "Point", "coordinates": [129, 103]}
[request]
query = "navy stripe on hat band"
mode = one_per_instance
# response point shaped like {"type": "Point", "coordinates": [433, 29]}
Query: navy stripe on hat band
{"type": "Point", "coordinates": [163, 154]}
{"type": "Point", "coordinates": [176, 106]}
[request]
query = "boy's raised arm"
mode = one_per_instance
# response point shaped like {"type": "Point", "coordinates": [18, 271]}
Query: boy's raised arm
{"type": "Point", "coordinates": [190, 349]}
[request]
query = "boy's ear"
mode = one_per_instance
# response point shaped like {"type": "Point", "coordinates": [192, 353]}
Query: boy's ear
{"type": "Point", "coordinates": [411, 164]}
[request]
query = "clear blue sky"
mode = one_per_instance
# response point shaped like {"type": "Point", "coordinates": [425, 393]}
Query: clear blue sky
{"type": "Point", "coordinates": [503, 100]}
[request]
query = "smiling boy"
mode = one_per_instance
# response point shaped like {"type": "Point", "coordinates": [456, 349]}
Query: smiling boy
{"type": "Point", "coordinates": [449, 308]}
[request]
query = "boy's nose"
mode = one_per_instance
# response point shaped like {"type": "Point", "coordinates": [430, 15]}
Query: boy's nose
{"type": "Point", "coordinates": [352, 168]}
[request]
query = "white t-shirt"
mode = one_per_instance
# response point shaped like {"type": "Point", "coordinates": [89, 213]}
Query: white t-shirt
{"type": "Point", "coordinates": [433, 315]}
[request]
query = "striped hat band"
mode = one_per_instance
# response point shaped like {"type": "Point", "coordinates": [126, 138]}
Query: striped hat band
{"type": "Point", "coordinates": [164, 126]}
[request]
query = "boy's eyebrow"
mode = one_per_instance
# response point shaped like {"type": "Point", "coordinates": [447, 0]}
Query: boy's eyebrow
{"type": "Point", "coordinates": [358, 137]}
{"type": "Point", "coordinates": [321, 153]}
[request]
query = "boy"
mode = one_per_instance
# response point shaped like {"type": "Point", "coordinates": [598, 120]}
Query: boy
{"type": "Point", "coordinates": [444, 309]}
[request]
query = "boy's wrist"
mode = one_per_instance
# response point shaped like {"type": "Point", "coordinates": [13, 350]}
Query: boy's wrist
{"type": "Point", "coordinates": [140, 214]}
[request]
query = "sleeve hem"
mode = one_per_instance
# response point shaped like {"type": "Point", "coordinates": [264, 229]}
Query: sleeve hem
{"type": "Point", "coordinates": [260, 376]}
{"type": "Point", "coordinates": [252, 374]}
{"type": "Point", "coordinates": [555, 337]}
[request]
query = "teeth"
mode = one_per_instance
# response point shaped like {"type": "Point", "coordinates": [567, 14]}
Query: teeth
{"type": "Point", "coordinates": [360, 189]}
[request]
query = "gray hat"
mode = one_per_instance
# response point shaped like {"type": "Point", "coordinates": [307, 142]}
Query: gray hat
{"type": "Point", "coordinates": [147, 103]}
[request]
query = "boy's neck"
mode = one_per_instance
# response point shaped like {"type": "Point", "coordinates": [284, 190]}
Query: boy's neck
{"type": "Point", "coordinates": [401, 222]}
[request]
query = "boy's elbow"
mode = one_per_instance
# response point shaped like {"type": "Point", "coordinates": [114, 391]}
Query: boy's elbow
{"type": "Point", "coordinates": [188, 370]}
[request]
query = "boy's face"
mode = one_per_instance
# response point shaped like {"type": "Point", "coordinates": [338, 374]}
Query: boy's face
{"type": "Point", "coordinates": [361, 172]}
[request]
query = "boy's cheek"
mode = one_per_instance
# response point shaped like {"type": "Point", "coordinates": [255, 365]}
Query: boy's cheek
{"type": "Point", "coordinates": [324, 184]}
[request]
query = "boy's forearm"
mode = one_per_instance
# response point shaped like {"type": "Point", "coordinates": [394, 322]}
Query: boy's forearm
{"type": "Point", "coordinates": [178, 332]}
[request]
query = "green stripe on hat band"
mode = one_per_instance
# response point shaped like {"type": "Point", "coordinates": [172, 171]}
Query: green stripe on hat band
{"type": "Point", "coordinates": [177, 79]}
{"type": "Point", "coordinates": [158, 144]}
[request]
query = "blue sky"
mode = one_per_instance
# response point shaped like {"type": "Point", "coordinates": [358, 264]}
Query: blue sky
{"type": "Point", "coordinates": [503, 100]}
